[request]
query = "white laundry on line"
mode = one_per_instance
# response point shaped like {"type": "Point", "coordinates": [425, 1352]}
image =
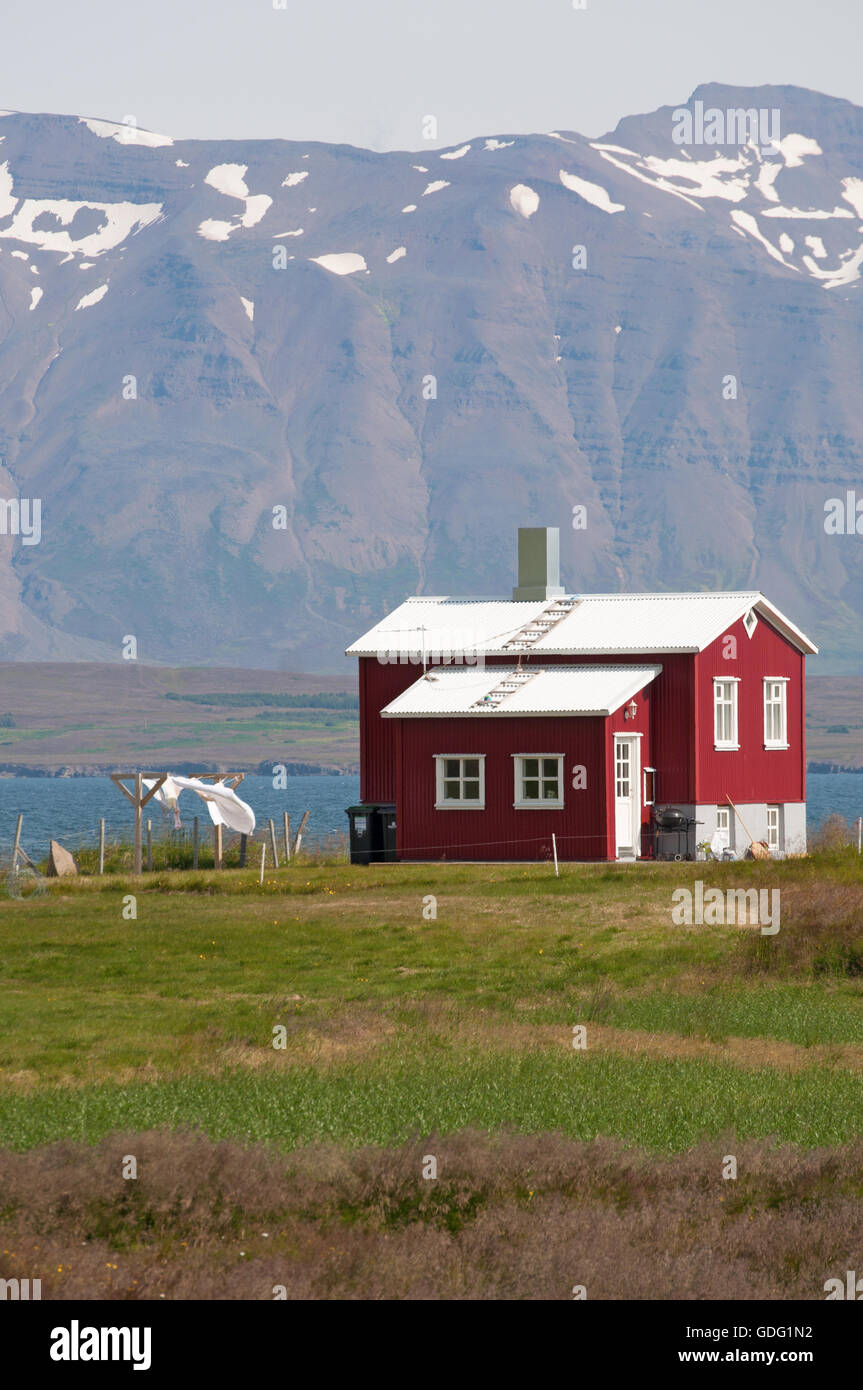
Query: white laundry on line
{"type": "Point", "coordinates": [223, 804]}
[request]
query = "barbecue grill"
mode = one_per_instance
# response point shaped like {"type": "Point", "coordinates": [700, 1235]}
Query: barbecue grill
{"type": "Point", "coordinates": [671, 833]}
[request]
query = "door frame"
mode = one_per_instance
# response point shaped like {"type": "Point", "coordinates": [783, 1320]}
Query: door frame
{"type": "Point", "coordinates": [635, 795]}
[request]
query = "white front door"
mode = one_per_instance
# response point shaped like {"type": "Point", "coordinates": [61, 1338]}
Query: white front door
{"type": "Point", "coordinates": [627, 802]}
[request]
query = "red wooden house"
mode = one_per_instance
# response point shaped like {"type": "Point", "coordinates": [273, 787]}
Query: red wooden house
{"type": "Point", "coordinates": [489, 726]}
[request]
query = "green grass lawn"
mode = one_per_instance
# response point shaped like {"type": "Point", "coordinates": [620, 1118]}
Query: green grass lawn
{"type": "Point", "coordinates": [398, 1024]}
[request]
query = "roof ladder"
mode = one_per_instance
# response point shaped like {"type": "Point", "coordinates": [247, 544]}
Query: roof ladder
{"type": "Point", "coordinates": [509, 683]}
{"type": "Point", "coordinates": [529, 635]}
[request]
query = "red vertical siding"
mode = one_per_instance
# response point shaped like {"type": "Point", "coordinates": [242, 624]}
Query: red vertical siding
{"type": "Point", "coordinates": [753, 773]}
{"type": "Point", "coordinates": [380, 683]}
{"type": "Point", "coordinates": [671, 718]}
{"type": "Point", "coordinates": [500, 831]}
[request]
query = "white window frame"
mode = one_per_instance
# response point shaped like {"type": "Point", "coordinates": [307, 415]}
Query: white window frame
{"type": "Point", "coordinates": [539, 805]}
{"type": "Point", "coordinates": [648, 801]}
{"type": "Point", "coordinates": [725, 824]}
{"type": "Point", "coordinates": [734, 682]}
{"type": "Point", "coordinates": [774, 832]}
{"type": "Point", "coordinates": [782, 682]}
{"type": "Point", "coordinates": [442, 804]}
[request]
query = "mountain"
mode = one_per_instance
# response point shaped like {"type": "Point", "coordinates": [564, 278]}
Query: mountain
{"type": "Point", "coordinates": [407, 355]}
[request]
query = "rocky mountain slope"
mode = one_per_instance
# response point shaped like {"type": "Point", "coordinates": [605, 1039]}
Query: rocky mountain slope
{"type": "Point", "coordinates": [398, 358]}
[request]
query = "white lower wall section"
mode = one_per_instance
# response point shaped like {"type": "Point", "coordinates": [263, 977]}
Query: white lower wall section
{"type": "Point", "coordinates": [792, 826]}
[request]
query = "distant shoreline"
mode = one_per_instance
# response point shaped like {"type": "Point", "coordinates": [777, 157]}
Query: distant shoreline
{"type": "Point", "coordinates": [264, 769]}
{"type": "Point", "coordinates": [183, 769]}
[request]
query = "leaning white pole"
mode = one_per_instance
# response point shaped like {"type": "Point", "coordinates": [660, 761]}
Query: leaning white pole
{"type": "Point", "coordinates": [263, 857]}
{"type": "Point", "coordinates": [554, 847]}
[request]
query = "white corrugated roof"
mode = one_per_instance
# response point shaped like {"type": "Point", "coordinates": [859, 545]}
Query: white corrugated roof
{"type": "Point", "coordinates": [613, 623]}
{"type": "Point", "coordinates": [504, 690]}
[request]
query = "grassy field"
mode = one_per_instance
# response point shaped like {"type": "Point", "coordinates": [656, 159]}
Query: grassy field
{"type": "Point", "coordinates": [128, 714]}
{"type": "Point", "coordinates": [429, 1011]}
{"type": "Point", "coordinates": [87, 716]}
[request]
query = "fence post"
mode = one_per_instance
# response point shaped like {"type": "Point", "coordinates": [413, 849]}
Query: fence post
{"type": "Point", "coordinates": [263, 857]}
{"type": "Point", "coordinates": [17, 844]}
{"type": "Point", "coordinates": [136, 852]}
{"type": "Point", "coordinates": [217, 847]}
{"type": "Point", "coordinates": [287, 838]}
{"type": "Point", "coordinates": [299, 839]}
{"type": "Point", "coordinates": [273, 845]}
{"type": "Point", "coordinates": [244, 840]}
{"type": "Point", "coordinates": [149, 846]}
{"type": "Point", "coordinates": [102, 845]}
{"type": "Point", "coordinates": [554, 847]}
{"type": "Point", "coordinates": [859, 833]}
{"type": "Point", "coordinates": [195, 843]}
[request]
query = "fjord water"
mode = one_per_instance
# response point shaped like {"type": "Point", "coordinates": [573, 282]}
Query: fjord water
{"type": "Point", "coordinates": [68, 809]}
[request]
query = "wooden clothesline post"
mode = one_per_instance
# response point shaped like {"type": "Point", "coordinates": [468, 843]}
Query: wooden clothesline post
{"type": "Point", "coordinates": [139, 800]}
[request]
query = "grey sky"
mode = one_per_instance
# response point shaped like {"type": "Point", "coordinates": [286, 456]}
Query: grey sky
{"type": "Point", "coordinates": [366, 72]}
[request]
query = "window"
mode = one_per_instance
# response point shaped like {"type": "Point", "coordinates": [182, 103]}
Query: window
{"type": "Point", "coordinates": [649, 786]}
{"type": "Point", "coordinates": [773, 827]}
{"type": "Point", "coordinates": [750, 622]}
{"type": "Point", "coordinates": [723, 824]}
{"type": "Point", "coordinates": [775, 716]}
{"type": "Point", "coordinates": [460, 781]}
{"type": "Point", "coordinates": [538, 780]}
{"type": "Point", "coordinates": [725, 714]}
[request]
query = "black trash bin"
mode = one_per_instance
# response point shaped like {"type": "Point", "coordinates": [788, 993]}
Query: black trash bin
{"type": "Point", "coordinates": [388, 832]}
{"type": "Point", "coordinates": [360, 818]}
{"type": "Point", "coordinates": [372, 832]}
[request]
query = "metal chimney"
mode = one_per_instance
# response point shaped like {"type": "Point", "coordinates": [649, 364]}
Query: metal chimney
{"type": "Point", "coordinates": [538, 564]}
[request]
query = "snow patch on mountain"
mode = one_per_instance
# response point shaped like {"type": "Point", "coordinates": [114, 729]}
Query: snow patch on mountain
{"type": "Point", "coordinates": [747, 223]}
{"type": "Point", "coordinates": [249, 306]}
{"type": "Point", "coordinates": [524, 199]}
{"type": "Point", "coordinates": [616, 149]}
{"type": "Point", "coordinates": [293, 179]}
{"type": "Point", "coordinates": [397, 254]}
{"type": "Point", "coordinates": [92, 298]}
{"type": "Point", "coordinates": [213, 230]}
{"type": "Point", "coordinates": [341, 262]}
{"type": "Point", "coordinates": [794, 149]}
{"type": "Point", "coordinates": [766, 178]}
{"type": "Point", "coordinates": [125, 134]}
{"type": "Point", "coordinates": [35, 295]}
{"type": "Point", "coordinates": [298, 231]}
{"type": "Point", "coordinates": [411, 207]}
{"type": "Point", "coordinates": [456, 154]}
{"type": "Point", "coordinates": [845, 273]}
{"type": "Point", "coordinates": [230, 180]}
{"type": "Point", "coordinates": [434, 187]}
{"type": "Point", "coordinates": [8, 203]}
{"type": "Point", "coordinates": [591, 192]}
{"type": "Point", "coordinates": [852, 192]}
{"type": "Point", "coordinates": [816, 246]}
{"type": "Point", "coordinates": [498, 144]}
{"type": "Point", "coordinates": [120, 220]}
{"type": "Point", "coordinates": [809, 214]}
{"type": "Point", "coordinates": [708, 176]}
